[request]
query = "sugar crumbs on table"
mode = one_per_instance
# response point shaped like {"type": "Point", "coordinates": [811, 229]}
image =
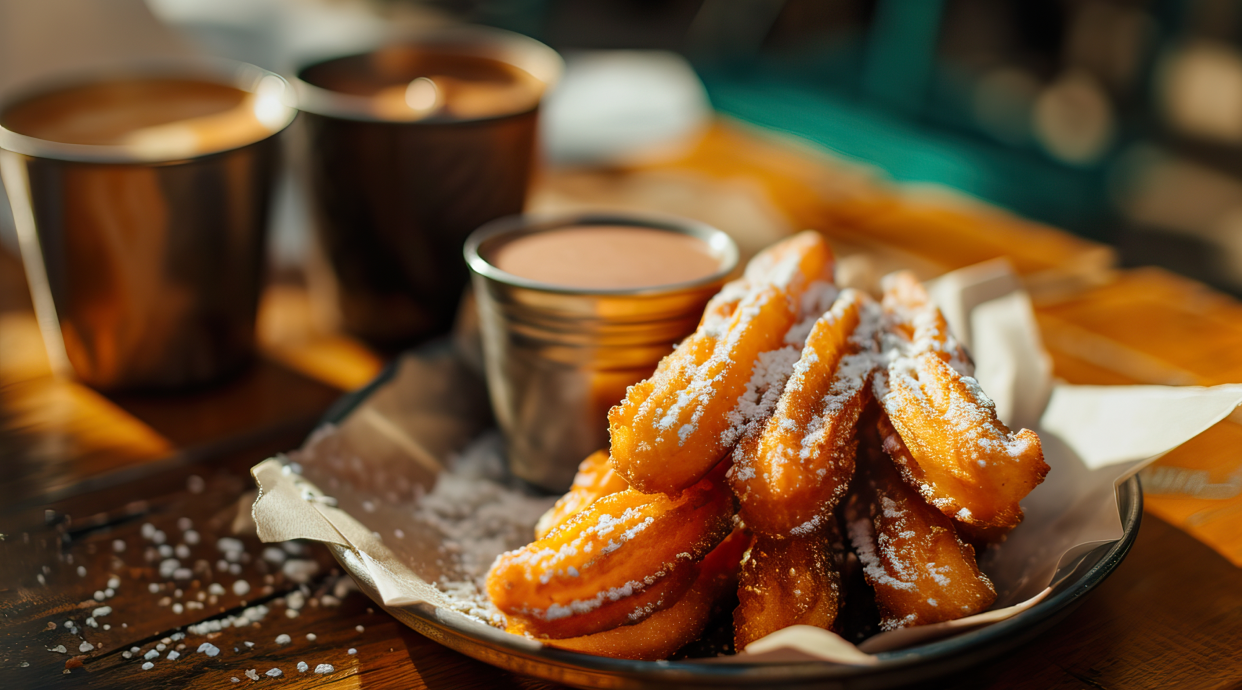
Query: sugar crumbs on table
{"type": "Point", "coordinates": [148, 666]}
{"type": "Point", "coordinates": [40, 578]}
{"type": "Point", "coordinates": [247, 617]}
{"type": "Point", "coordinates": [109, 593]}
{"type": "Point", "coordinates": [359, 628]}
{"type": "Point", "coordinates": [153, 587]}
{"type": "Point", "coordinates": [101, 612]}
{"type": "Point", "coordinates": [249, 644]}
{"type": "Point", "coordinates": [114, 582]}
{"type": "Point", "coordinates": [184, 523]}
{"type": "Point", "coordinates": [118, 545]}
{"type": "Point", "coordinates": [177, 608]}
{"type": "Point", "coordinates": [148, 530]}
{"type": "Point", "coordinates": [283, 639]}
{"type": "Point", "coordinates": [59, 649]}
{"type": "Point", "coordinates": [324, 668]}
{"type": "Point", "coordinates": [126, 655]}
{"type": "Point", "coordinates": [191, 537]}
{"type": "Point", "coordinates": [99, 595]}
{"type": "Point", "coordinates": [195, 484]}
{"type": "Point", "coordinates": [300, 570]}
{"type": "Point", "coordinates": [159, 537]}
{"type": "Point", "coordinates": [352, 651]}
{"type": "Point", "coordinates": [182, 551]}
{"type": "Point", "coordinates": [154, 653]}
{"type": "Point", "coordinates": [252, 674]}
{"type": "Point", "coordinates": [81, 571]}
{"type": "Point", "coordinates": [215, 588]}
{"type": "Point", "coordinates": [173, 655]}
{"type": "Point", "coordinates": [85, 646]}
{"type": "Point", "coordinates": [291, 613]}
{"type": "Point", "coordinates": [135, 650]}
{"type": "Point", "coordinates": [177, 636]}
{"type": "Point", "coordinates": [235, 679]}
{"type": "Point", "coordinates": [310, 637]}
{"type": "Point", "coordinates": [303, 667]}
{"type": "Point", "coordinates": [274, 673]}
{"type": "Point", "coordinates": [241, 588]}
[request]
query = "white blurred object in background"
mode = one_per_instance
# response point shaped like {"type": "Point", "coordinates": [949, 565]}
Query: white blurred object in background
{"type": "Point", "coordinates": [623, 106]}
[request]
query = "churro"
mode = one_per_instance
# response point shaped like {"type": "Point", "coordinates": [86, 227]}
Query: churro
{"type": "Point", "coordinates": [959, 456]}
{"type": "Point", "coordinates": [788, 581]}
{"type": "Point", "coordinates": [595, 479]}
{"type": "Point", "coordinates": [672, 428]}
{"type": "Point", "coordinates": [921, 571]}
{"type": "Point", "coordinates": [623, 558]}
{"type": "Point", "coordinates": [791, 471]}
{"type": "Point", "coordinates": [666, 631]}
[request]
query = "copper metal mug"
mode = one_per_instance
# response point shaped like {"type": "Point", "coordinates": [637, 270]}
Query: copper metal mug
{"type": "Point", "coordinates": [145, 266]}
{"type": "Point", "coordinates": [395, 200]}
{"type": "Point", "coordinates": [558, 358]}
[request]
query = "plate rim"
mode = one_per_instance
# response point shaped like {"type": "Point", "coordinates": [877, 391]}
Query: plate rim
{"type": "Point", "coordinates": [987, 641]}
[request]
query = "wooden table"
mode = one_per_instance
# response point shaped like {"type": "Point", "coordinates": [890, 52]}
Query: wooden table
{"type": "Point", "coordinates": [85, 474]}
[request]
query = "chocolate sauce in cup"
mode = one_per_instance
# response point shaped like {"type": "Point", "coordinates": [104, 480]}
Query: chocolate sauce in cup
{"type": "Point", "coordinates": [572, 311]}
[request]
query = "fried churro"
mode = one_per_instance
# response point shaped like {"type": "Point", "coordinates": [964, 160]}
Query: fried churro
{"type": "Point", "coordinates": [792, 470]}
{"type": "Point", "coordinates": [958, 455]}
{"type": "Point", "coordinates": [672, 428]}
{"type": "Point", "coordinates": [921, 571]}
{"type": "Point", "coordinates": [789, 581]}
{"type": "Point", "coordinates": [623, 558]}
{"type": "Point", "coordinates": [595, 479]}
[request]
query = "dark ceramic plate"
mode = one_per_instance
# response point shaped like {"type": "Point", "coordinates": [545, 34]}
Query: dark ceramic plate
{"type": "Point", "coordinates": [914, 664]}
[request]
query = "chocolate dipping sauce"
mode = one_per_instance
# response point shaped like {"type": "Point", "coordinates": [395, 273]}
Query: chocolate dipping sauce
{"type": "Point", "coordinates": [410, 83]}
{"type": "Point", "coordinates": [603, 257]}
{"type": "Point", "coordinates": [149, 115]}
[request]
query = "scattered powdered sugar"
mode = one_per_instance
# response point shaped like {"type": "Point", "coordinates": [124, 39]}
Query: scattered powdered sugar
{"type": "Point", "coordinates": [246, 617]}
{"type": "Point", "coordinates": [480, 514]}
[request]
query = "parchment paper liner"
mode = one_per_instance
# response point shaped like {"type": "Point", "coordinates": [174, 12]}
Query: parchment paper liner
{"type": "Point", "coordinates": [1093, 438]}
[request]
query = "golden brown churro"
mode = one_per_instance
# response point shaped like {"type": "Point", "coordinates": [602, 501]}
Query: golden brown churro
{"type": "Point", "coordinates": [674, 427]}
{"type": "Point", "coordinates": [961, 458]}
{"type": "Point", "coordinates": [791, 471]}
{"type": "Point", "coordinates": [622, 559]}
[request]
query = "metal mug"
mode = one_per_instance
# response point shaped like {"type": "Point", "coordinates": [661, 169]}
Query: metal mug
{"type": "Point", "coordinates": [558, 358]}
{"type": "Point", "coordinates": [145, 263]}
{"type": "Point", "coordinates": [395, 199]}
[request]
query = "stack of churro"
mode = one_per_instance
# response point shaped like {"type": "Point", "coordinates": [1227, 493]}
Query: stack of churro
{"type": "Point", "coordinates": [795, 414]}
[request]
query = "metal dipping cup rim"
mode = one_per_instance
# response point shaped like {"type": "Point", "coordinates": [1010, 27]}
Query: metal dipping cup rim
{"type": "Point", "coordinates": [241, 75]}
{"type": "Point", "coordinates": [718, 241]}
{"type": "Point", "coordinates": [535, 58]}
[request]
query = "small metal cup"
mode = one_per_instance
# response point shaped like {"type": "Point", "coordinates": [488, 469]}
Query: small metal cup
{"type": "Point", "coordinates": [558, 358]}
{"type": "Point", "coordinates": [145, 265]}
{"type": "Point", "coordinates": [394, 200]}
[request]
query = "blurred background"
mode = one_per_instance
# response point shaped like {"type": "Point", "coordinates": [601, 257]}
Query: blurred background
{"type": "Point", "coordinates": [1119, 120]}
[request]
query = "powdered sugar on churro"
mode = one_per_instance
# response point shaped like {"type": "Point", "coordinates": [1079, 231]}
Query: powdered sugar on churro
{"type": "Point", "coordinates": [774, 367]}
